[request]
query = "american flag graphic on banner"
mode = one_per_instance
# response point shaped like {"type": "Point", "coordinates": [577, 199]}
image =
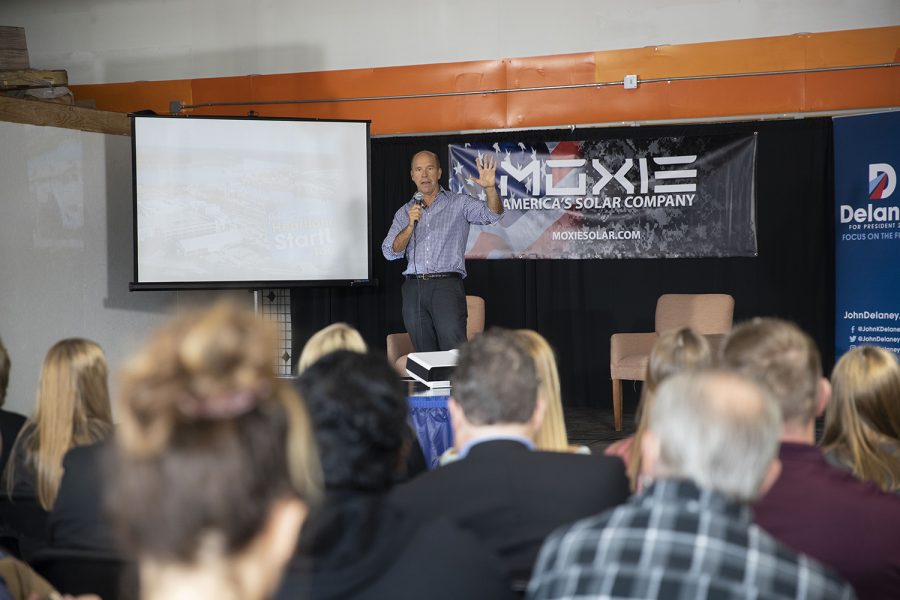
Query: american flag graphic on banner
{"type": "Point", "coordinates": [615, 198]}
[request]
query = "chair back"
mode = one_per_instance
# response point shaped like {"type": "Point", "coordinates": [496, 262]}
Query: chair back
{"type": "Point", "coordinates": [475, 320]}
{"type": "Point", "coordinates": [704, 313]}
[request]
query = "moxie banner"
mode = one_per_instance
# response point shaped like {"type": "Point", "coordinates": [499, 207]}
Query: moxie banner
{"type": "Point", "coordinates": [616, 198]}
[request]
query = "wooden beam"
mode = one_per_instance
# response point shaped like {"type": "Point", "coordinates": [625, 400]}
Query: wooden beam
{"type": "Point", "coordinates": [26, 78]}
{"type": "Point", "coordinates": [13, 48]}
{"type": "Point", "coordinates": [49, 114]}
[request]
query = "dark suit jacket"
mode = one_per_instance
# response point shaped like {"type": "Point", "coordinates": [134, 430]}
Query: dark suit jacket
{"type": "Point", "coordinates": [77, 519]}
{"type": "Point", "coordinates": [511, 498]}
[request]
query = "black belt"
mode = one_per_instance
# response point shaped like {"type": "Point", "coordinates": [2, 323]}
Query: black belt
{"type": "Point", "coordinates": [433, 275]}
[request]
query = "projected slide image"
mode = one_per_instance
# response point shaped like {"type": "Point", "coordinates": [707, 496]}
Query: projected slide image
{"type": "Point", "coordinates": [264, 205]}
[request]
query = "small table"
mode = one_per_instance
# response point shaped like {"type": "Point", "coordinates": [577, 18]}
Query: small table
{"type": "Point", "coordinates": [430, 417]}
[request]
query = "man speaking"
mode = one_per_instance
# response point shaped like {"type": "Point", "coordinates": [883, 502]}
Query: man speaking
{"type": "Point", "coordinates": [430, 230]}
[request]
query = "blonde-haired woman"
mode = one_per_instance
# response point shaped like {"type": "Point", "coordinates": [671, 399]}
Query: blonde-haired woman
{"type": "Point", "coordinates": [337, 336]}
{"type": "Point", "coordinates": [675, 351]}
{"type": "Point", "coordinates": [72, 409]}
{"type": "Point", "coordinates": [552, 435]}
{"type": "Point", "coordinates": [862, 421]}
{"type": "Point", "coordinates": [215, 466]}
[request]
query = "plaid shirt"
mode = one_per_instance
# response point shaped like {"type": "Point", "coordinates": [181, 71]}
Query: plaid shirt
{"type": "Point", "coordinates": [676, 541]}
{"type": "Point", "coordinates": [439, 241]}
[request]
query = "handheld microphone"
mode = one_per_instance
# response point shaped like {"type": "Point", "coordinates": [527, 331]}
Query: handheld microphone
{"type": "Point", "coordinates": [419, 197]}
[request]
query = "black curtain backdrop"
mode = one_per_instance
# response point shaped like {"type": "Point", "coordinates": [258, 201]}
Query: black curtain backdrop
{"type": "Point", "coordinates": [578, 304]}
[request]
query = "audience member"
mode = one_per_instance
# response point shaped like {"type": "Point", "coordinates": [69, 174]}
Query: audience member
{"type": "Point", "coordinates": [814, 508]}
{"type": "Point", "coordinates": [552, 435]}
{"type": "Point", "coordinates": [72, 409]}
{"type": "Point", "coordinates": [358, 545]}
{"type": "Point", "coordinates": [10, 422]}
{"type": "Point", "coordinates": [215, 463]}
{"type": "Point", "coordinates": [862, 421]}
{"type": "Point", "coordinates": [709, 447]}
{"type": "Point", "coordinates": [675, 351]}
{"type": "Point", "coordinates": [340, 336]}
{"type": "Point", "coordinates": [500, 489]}
{"type": "Point", "coordinates": [337, 336]}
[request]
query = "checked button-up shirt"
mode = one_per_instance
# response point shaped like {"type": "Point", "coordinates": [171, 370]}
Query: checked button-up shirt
{"type": "Point", "coordinates": [438, 244]}
{"type": "Point", "coordinates": [678, 542]}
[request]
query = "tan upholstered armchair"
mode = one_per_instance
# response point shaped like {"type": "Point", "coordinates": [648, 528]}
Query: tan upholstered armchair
{"type": "Point", "coordinates": [400, 344]}
{"type": "Point", "coordinates": [707, 314]}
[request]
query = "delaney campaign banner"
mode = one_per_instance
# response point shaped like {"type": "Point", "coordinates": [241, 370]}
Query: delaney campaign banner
{"type": "Point", "coordinates": [867, 225]}
{"type": "Point", "coordinates": [671, 197]}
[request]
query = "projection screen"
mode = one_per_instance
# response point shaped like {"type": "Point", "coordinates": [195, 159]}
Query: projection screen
{"type": "Point", "coordinates": [250, 202]}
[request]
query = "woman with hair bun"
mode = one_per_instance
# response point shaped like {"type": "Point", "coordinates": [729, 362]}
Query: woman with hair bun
{"type": "Point", "coordinates": [675, 351]}
{"type": "Point", "coordinates": [215, 466]}
{"type": "Point", "coordinates": [862, 421]}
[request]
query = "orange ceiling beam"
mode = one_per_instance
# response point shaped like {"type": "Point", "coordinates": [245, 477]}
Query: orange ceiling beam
{"type": "Point", "coordinates": [691, 99]}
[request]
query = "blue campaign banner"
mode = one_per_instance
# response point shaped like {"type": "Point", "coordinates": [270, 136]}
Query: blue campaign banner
{"type": "Point", "coordinates": [867, 219]}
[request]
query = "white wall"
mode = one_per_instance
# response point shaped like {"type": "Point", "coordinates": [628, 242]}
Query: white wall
{"type": "Point", "coordinates": [102, 41]}
{"type": "Point", "coordinates": [66, 251]}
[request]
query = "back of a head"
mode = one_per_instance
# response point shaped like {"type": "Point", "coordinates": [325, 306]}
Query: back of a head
{"type": "Point", "coordinates": [552, 434]}
{"type": "Point", "coordinates": [72, 409]}
{"type": "Point", "coordinates": [4, 372]}
{"type": "Point", "coordinates": [337, 336]}
{"type": "Point", "coordinates": [783, 359]}
{"type": "Point", "coordinates": [358, 409]}
{"type": "Point", "coordinates": [73, 385]}
{"type": "Point", "coordinates": [864, 413]}
{"type": "Point", "coordinates": [675, 351]}
{"type": "Point", "coordinates": [718, 429]}
{"type": "Point", "coordinates": [866, 389]}
{"type": "Point", "coordinates": [210, 439]}
{"type": "Point", "coordinates": [495, 380]}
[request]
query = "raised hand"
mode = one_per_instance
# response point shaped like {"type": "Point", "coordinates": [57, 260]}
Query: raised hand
{"type": "Point", "coordinates": [487, 170]}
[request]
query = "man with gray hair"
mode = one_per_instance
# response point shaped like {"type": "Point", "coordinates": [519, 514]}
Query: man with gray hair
{"type": "Point", "coordinates": [710, 449]}
{"type": "Point", "coordinates": [851, 526]}
{"type": "Point", "coordinates": [501, 489]}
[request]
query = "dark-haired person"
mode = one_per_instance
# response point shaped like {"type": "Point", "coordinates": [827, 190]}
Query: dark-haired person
{"type": "Point", "coordinates": [341, 336]}
{"type": "Point", "coordinates": [215, 465]}
{"type": "Point", "coordinates": [10, 422]}
{"type": "Point", "coordinates": [434, 298]}
{"type": "Point", "coordinates": [501, 489]}
{"type": "Point", "coordinates": [357, 545]}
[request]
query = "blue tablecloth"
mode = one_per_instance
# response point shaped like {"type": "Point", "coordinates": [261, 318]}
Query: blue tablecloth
{"type": "Point", "coordinates": [430, 418]}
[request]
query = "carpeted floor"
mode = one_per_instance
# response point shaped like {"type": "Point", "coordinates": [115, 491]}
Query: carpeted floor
{"type": "Point", "coordinates": [594, 426]}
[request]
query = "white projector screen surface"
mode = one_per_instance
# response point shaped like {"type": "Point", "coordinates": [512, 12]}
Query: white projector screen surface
{"type": "Point", "coordinates": [233, 201]}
